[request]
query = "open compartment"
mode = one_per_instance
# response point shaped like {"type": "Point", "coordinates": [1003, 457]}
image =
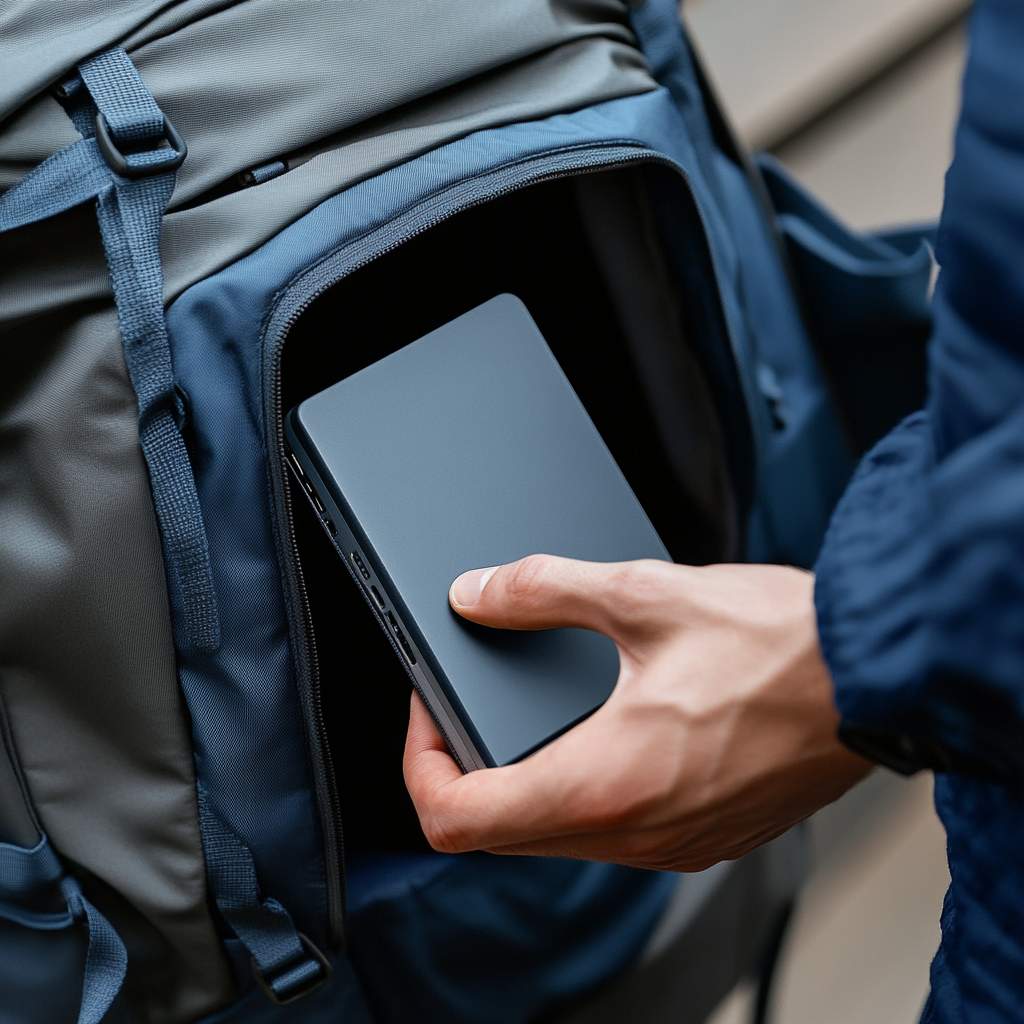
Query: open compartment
{"type": "Point", "coordinates": [618, 303]}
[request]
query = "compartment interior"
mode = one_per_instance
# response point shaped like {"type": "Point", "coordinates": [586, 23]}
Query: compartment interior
{"type": "Point", "coordinates": [585, 257]}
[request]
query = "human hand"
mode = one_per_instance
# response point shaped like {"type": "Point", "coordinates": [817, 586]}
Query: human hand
{"type": "Point", "coordinates": [720, 733]}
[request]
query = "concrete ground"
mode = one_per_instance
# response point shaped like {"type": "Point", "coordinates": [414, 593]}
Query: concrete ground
{"type": "Point", "coordinates": [867, 924]}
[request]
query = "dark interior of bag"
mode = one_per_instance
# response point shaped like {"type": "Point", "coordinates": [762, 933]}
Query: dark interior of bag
{"type": "Point", "coordinates": [580, 254]}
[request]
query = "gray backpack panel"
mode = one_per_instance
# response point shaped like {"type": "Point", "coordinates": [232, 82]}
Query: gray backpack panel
{"type": "Point", "coordinates": [266, 80]}
{"type": "Point", "coordinates": [88, 680]}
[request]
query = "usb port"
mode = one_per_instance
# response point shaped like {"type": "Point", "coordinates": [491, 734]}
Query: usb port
{"type": "Point", "coordinates": [401, 638]}
{"type": "Point", "coordinates": [377, 598]}
{"type": "Point", "coordinates": [358, 562]}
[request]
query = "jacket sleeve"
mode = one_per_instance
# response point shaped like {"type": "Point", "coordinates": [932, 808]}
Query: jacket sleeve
{"type": "Point", "coordinates": [920, 589]}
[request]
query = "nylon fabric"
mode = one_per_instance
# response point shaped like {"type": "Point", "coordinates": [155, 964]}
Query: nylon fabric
{"type": "Point", "coordinates": [479, 938]}
{"type": "Point", "coordinates": [198, 241]}
{"type": "Point", "coordinates": [73, 175]}
{"type": "Point", "coordinates": [40, 920]}
{"type": "Point", "coordinates": [802, 430]}
{"type": "Point", "coordinates": [93, 703]}
{"type": "Point", "coordinates": [667, 49]}
{"type": "Point", "coordinates": [246, 714]}
{"type": "Point", "coordinates": [299, 73]}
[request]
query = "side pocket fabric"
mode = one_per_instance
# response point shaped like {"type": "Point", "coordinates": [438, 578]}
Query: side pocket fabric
{"type": "Point", "coordinates": [867, 305]}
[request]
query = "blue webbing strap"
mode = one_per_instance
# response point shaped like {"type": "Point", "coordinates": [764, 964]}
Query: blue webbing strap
{"type": "Point", "coordinates": [24, 874]}
{"type": "Point", "coordinates": [281, 962]}
{"type": "Point", "coordinates": [130, 212]}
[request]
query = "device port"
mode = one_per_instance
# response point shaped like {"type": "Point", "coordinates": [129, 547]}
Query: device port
{"type": "Point", "coordinates": [358, 562]}
{"type": "Point", "coordinates": [401, 638]}
{"type": "Point", "coordinates": [331, 528]}
{"type": "Point", "coordinates": [297, 466]}
{"type": "Point", "coordinates": [377, 598]}
{"type": "Point", "coordinates": [406, 648]}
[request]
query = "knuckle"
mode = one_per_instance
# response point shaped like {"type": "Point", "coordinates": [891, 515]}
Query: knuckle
{"type": "Point", "coordinates": [526, 579]}
{"type": "Point", "coordinates": [441, 838]}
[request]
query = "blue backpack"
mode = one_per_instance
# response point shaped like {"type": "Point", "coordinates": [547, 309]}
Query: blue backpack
{"type": "Point", "coordinates": [195, 703]}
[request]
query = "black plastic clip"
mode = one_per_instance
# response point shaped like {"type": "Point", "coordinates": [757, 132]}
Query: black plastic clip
{"type": "Point", "coordinates": [118, 162]}
{"type": "Point", "coordinates": [266, 985]}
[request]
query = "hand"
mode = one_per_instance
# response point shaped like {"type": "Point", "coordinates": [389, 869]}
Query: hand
{"type": "Point", "coordinates": [720, 733]}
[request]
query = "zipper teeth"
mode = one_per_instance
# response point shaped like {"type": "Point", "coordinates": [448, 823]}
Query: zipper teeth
{"type": "Point", "coordinates": [334, 845]}
{"type": "Point", "coordinates": [277, 333]}
{"type": "Point", "coordinates": [643, 155]}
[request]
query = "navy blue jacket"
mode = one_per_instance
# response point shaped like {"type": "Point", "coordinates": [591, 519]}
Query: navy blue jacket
{"type": "Point", "coordinates": [920, 588]}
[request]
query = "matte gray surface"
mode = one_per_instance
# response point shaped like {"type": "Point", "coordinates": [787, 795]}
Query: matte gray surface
{"type": "Point", "coordinates": [468, 448]}
{"type": "Point", "coordinates": [87, 675]}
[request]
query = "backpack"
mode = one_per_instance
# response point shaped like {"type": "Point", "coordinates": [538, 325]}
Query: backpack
{"type": "Point", "coordinates": [286, 192]}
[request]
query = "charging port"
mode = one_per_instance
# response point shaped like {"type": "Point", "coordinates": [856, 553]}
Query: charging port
{"type": "Point", "coordinates": [401, 638]}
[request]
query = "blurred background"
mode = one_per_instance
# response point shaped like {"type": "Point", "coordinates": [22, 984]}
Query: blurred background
{"type": "Point", "coordinates": [859, 99]}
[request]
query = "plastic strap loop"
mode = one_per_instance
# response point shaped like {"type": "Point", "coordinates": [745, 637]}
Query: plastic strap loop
{"type": "Point", "coordinates": [130, 212]}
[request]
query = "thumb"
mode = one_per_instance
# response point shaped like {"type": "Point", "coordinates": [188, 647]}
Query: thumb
{"type": "Point", "coordinates": [545, 592]}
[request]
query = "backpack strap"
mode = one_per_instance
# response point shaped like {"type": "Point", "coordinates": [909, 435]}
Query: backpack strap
{"type": "Point", "coordinates": [285, 963]}
{"type": "Point", "coordinates": [123, 163]}
{"type": "Point", "coordinates": [25, 875]}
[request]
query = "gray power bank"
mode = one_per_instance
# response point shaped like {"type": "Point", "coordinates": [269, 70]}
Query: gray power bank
{"type": "Point", "coordinates": [469, 448]}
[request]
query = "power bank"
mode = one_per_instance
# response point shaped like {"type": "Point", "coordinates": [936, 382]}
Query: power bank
{"type": "Point", "coordinates": [469, 448]}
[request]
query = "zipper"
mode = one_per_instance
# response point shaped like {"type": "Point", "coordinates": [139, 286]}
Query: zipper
{"type": "Point", "coordinates": [293, 301]}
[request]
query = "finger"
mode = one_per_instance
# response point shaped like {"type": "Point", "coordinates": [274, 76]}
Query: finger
{"type": "Point", "coordinates": [545, 592]}
{"type": "Point", "coordinates": [492, 807]}
{"type": "Point", "coordinates": [426, 753]}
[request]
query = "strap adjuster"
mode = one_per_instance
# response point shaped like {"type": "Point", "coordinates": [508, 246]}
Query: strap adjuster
{"type": "Point", "coordinates": [119, 163]}
{"type": "Point", "coordinates": [291, 995]}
